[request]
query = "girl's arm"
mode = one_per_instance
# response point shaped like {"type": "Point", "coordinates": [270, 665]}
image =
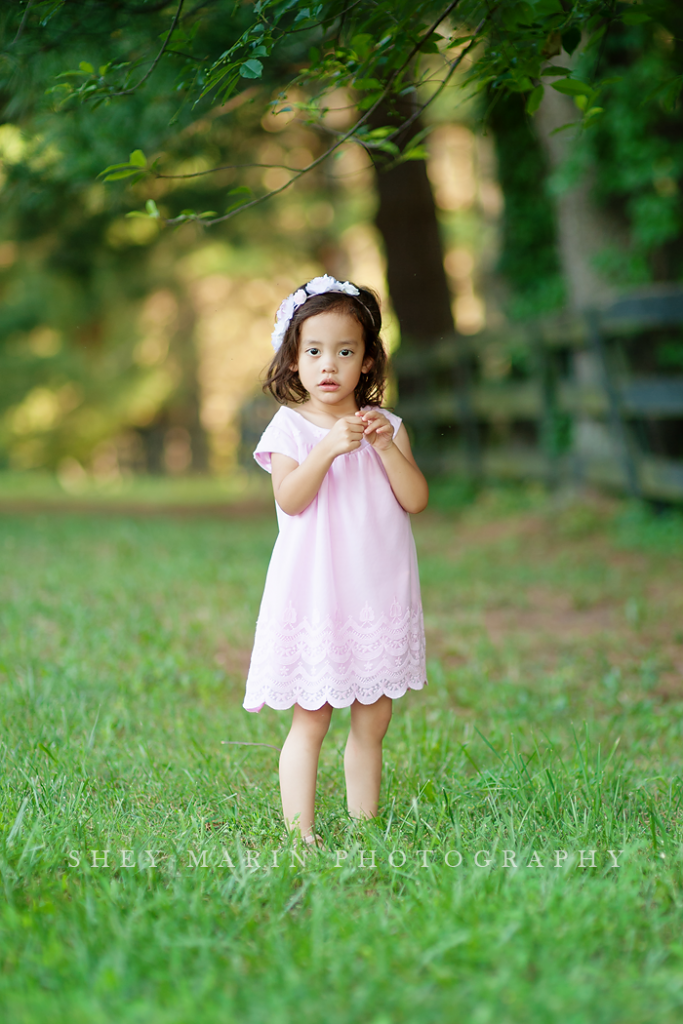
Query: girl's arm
{"type": "Point", "coordinates": [407, 482]}
{"type": "Point", "coordinates": [296, 485]}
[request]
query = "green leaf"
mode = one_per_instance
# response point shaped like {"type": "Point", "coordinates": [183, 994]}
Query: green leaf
{"type": "Point", "coordinates": [116, 175]}
{"type": "Point", "coordinates": [519, 85]}
{"type": "Point", "coordinates": [362, 45]}
{"type": "Point", "coordinates": [459, 40]}
{"type": "Point", "coordinates": [88, 68]}
{"type": "Point", "coordinates": [377, 133]}
{"type": "Point", "coordinates": [367, 83]}
{"type": "Point", "coordinates": [415, 153]}
{"type": "Point", "coordinates": [556, 70]}
{"type": "Point", "coordinates": [115, 167]}
{"type": "Point", "coordinates": [241, 190]}
{"type": "Point", "coordinates": [571, 39]}
{"type": "Point", "coordinates": [534, 101]}
{"type": "Point", "coordinates": [564, 127]}
{"type": "Point", "coordinates": [151, 207]}
{"type": "Point", "coordinates": [137, 158]}
{"type": "Point", "coordinates": [573, 87]}
{"type": "Point", "coordinates": [251, 68]}
{"type": "Point", "coordinates": [635, 17]}
{"type": "Point", "coordinates": [388, 147]}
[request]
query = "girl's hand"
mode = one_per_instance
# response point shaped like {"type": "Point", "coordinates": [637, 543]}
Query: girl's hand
{"type": "Point", "coordinates": [345, 436]}
{"type": "Point", "coordinates": [377, 429]}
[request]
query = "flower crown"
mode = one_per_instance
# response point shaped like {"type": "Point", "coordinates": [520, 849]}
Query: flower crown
{"type": "Point", "coordinates": [288, 307]}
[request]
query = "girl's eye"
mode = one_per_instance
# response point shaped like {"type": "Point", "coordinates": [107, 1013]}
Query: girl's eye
{"type": "Point", "coordinates": [346, 352]}
{"type": "Point", "coordinates": [313, 351]}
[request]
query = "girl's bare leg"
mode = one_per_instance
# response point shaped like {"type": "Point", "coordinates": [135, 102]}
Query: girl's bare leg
{"type": "Point", "coordinates": [299, 767]}
{"type": "Point", "coordinates": [363, 756]}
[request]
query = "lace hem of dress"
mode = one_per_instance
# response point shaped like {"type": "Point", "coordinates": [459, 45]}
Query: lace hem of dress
{"type": "Point", "coordinates": [281, 700]}
{"type": "Point", "coordinates": [328, 661]}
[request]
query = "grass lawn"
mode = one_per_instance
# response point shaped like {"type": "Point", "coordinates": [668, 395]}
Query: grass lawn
{"type": "Point", "coordinates": [550, 734]}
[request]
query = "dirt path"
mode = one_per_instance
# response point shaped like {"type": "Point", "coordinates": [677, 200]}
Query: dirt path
{"type": "Point", "coordinates": [531, 592]}
{"type": "Point", "coordinates": [204, 510]}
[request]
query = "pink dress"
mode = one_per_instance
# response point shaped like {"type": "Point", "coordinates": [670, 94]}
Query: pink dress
{"type": "Point", "coordinates": [341, 615]}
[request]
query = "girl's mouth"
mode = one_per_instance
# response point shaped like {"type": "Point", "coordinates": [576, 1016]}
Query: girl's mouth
{"type": "Point", "coordinates": [328, 385]}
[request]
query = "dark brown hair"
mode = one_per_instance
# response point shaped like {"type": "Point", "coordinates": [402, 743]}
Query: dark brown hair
{"type": "Point", "coordinates": [283, 382]}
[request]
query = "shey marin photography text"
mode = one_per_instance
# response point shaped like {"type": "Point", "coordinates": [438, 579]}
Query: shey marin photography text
{"type": "Point", "coordinates": [243, 858]}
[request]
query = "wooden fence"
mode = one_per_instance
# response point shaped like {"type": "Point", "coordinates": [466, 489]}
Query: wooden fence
{"type": "Point", "coordinates": [596, 398]}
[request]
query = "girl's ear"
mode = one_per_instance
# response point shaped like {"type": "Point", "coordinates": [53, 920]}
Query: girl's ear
{"type": "Point", "coordinates": [367, 365]}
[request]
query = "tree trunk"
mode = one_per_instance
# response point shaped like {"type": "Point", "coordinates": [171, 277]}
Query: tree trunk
{"type": "Point", "coordinates": [583, 228]}
{"type": "Point", "coordinates": [406, 218]}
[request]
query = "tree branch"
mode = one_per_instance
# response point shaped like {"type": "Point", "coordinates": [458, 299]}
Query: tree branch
{"type": "Point", "coordinates": [187, 56]}
{"type": "Point", "coordinates": [451, 71]}
{"type": "Point", "coordinates": [134, 88]}
{"type": "Point", "coordinates": [340, 142]}
{"type": "Point", "coordinates": [343, 137]}
{"type": "Point", "coordinates": [223, 167]}
{"type": "Point", "coordinates": [326, 21]}
{"type": "Point", "coordinates": [22, 24]}
{"type": "Point", "coordinates": [418, 46]}
{"type": "Point", "coordinates": [452, 67]}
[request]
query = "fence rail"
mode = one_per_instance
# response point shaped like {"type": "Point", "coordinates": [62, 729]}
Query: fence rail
{"type": "Point", "coordinates": [587, 397]}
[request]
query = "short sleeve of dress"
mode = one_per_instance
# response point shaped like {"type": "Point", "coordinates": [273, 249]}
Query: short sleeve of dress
{"type": "Point", "coordinates": [277, 437]}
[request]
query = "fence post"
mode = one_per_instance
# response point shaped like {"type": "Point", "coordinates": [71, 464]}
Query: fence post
{"type": "Point", "coordinates": [616, 418]}
{"type": "Point", "coordinates": [548, 419]}
{"type": "Point", "coordinates": [462, 385]}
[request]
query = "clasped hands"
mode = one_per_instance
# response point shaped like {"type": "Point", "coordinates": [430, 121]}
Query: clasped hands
{"type": "Point", "coordinates": [348, 432]}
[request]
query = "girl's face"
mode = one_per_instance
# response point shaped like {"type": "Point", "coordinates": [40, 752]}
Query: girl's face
{"type": "Point", "coordinates": [331, 356]}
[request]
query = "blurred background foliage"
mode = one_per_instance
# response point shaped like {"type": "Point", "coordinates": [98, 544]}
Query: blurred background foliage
{"type": "Point", "coordinates": [127, 346]}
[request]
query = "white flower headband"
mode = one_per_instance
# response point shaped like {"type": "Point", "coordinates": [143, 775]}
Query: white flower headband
{"type": "Point", "coordinates": [288, 307]}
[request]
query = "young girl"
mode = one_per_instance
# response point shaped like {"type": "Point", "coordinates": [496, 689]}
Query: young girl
{"type": "Point", "coordinates": [340, 623]}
